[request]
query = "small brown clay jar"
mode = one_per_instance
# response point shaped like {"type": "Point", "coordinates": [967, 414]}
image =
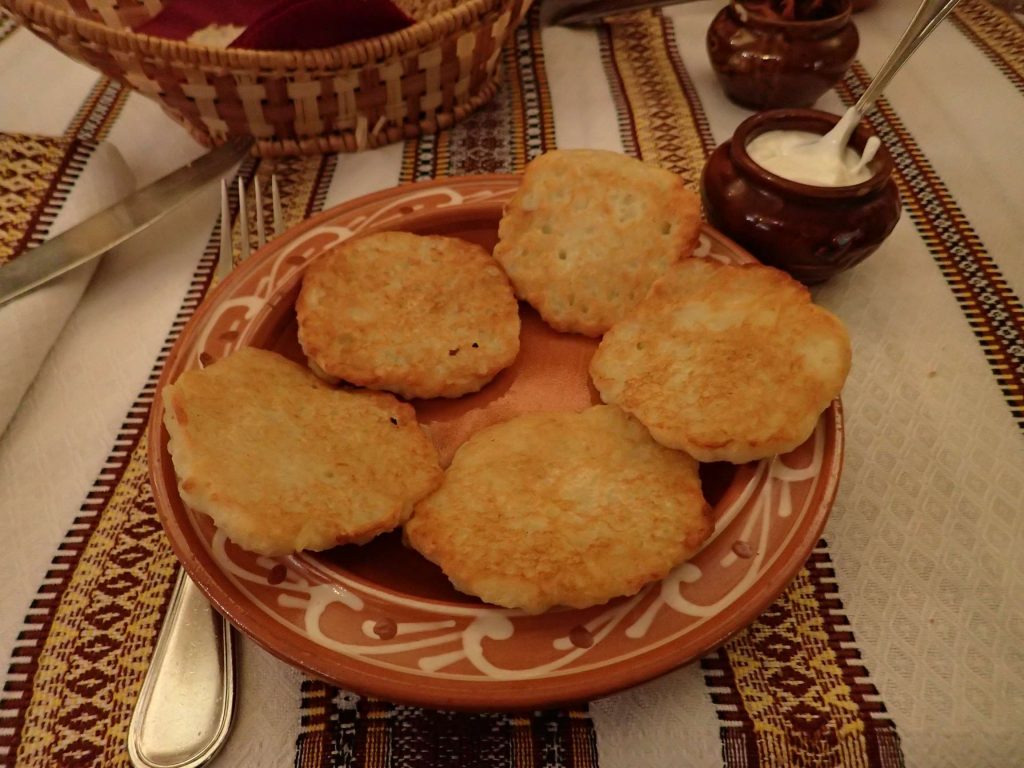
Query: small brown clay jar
{"type": "Point", "coordinates": [764, 62]}
{"type": "Point", "coordinates": [809, 231]}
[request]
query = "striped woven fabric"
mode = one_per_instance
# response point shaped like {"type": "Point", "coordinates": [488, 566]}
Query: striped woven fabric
{"type": "Point", "coordinates": [852, 665]}
{"type": "Point", "coordinates": [998, 32]}
{"type": "Point", "coordinates": [36, 174]}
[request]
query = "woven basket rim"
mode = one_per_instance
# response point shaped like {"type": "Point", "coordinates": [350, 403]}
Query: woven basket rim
{"type": "Point", "coordinates": [351, 54]}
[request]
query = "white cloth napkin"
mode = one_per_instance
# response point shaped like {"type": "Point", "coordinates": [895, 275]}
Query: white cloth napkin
{"type": "Point", "coordinates": [30, 325]}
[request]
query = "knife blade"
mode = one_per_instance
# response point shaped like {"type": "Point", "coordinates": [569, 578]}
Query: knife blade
{"type": "Point", "coordinates": [111, 227]}
{"type": "Point", "coordinates": [588, 12]}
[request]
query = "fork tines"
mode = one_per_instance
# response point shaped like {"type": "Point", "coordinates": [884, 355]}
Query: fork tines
{"type": "Point", "coordinates": [225, 263]}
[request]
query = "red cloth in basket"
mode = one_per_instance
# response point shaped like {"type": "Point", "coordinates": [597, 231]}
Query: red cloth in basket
{"type": "Point", "coordinates": [280, 24]}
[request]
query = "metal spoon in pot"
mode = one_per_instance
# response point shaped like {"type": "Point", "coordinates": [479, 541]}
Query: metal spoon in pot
{"type": "Point", "coordinates": [833, 143]}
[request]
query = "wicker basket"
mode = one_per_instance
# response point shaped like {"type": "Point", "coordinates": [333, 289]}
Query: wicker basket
{"type": "Point", "coordinates": [354, 96]}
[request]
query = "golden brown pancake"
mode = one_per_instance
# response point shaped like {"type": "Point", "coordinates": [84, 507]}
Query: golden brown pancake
{"type": "Point", "coordinates": [566, 509]}
{"type": "Point", "coordinates": [589, 231]}
{"type": "Point", "coordinates": [725, 362]}
{"type": "Point", "coordinates": [283, 462]}
{"type": "Point", "coordinates": [418, 316]}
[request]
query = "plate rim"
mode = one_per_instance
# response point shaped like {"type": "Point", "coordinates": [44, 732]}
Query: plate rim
{"type": "Point", "coordinates": [458, 695]}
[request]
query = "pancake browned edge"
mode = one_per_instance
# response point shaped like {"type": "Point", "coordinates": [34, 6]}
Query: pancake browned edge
{"type": "Point", "coordinates": [565, 509]}
{"type": "Point", "coordinates": [726, 362]}
{"type": "Point", "coordinates": [418, 316]}
{"type": "Point", "coordinates": [589, 231]}
{"type": "Point", "coordinates": [283, 462]}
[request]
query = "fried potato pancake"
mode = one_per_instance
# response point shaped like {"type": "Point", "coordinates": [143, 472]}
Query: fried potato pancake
{"type": "Point", "coordinates": [565, 509]}
{"type": "Point", "coordinates": [725, 362]}
{"type": "Point", "coordinates": [589, 231]}
{"type": "Point", "coordinates": [418, 316]}
{"type": "Point", "coordinates": [283, 462]}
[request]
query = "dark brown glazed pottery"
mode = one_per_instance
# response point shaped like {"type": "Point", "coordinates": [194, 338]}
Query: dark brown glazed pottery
{"type": "Point", "coordinates": [811, 232]}
{"type": "Point", "coordinates": [764, 62]}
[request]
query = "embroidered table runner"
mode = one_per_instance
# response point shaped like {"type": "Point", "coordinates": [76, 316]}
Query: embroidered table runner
{"type": "Point", "coordinates": [897, 644]}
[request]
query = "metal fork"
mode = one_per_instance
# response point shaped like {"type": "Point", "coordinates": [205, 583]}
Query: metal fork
{"type": "Point", "coordinates": [186, 706]}
{"type": "Point", "coordinates": [225, 263]}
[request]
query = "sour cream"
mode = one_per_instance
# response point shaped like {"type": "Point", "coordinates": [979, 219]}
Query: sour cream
{"type": "Point", "coordinates": [810, 158]}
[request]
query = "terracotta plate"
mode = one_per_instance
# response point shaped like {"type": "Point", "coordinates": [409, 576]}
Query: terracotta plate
{"type": "Point", "coordinates": [381, 620]}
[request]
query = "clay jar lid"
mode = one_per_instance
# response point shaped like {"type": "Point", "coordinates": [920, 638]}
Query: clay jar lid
{"type": "Point", "coordinates": [811, 121]}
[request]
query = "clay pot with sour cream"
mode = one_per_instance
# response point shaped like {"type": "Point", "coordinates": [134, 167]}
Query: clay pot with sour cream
{"type": "Point", "coordinates": [812, 232]}
{"type": "Point", "coordinates": [764, 60]}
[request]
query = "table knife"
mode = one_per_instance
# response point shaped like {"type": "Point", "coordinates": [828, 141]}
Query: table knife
{"type": "Point", "coordinates": [588, 12]}
{"type": "Point", "coordinates": [116, 224]}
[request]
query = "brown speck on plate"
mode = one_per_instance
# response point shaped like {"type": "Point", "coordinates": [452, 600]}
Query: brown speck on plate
{"type": "Point", "coordinates": [205, 358]}
{"type": "Point", "coordinates": [277, 574]}
{"type": "Point", "coordinates": [385, 628]}
{"type": "Point", "coordinates": [743, 549]}
{"type": "Point", "coordinates": [581, 637]}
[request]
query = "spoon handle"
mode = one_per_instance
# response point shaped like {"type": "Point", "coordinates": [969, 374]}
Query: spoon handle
{"type": "Point", "coordinates": [924, 22]}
